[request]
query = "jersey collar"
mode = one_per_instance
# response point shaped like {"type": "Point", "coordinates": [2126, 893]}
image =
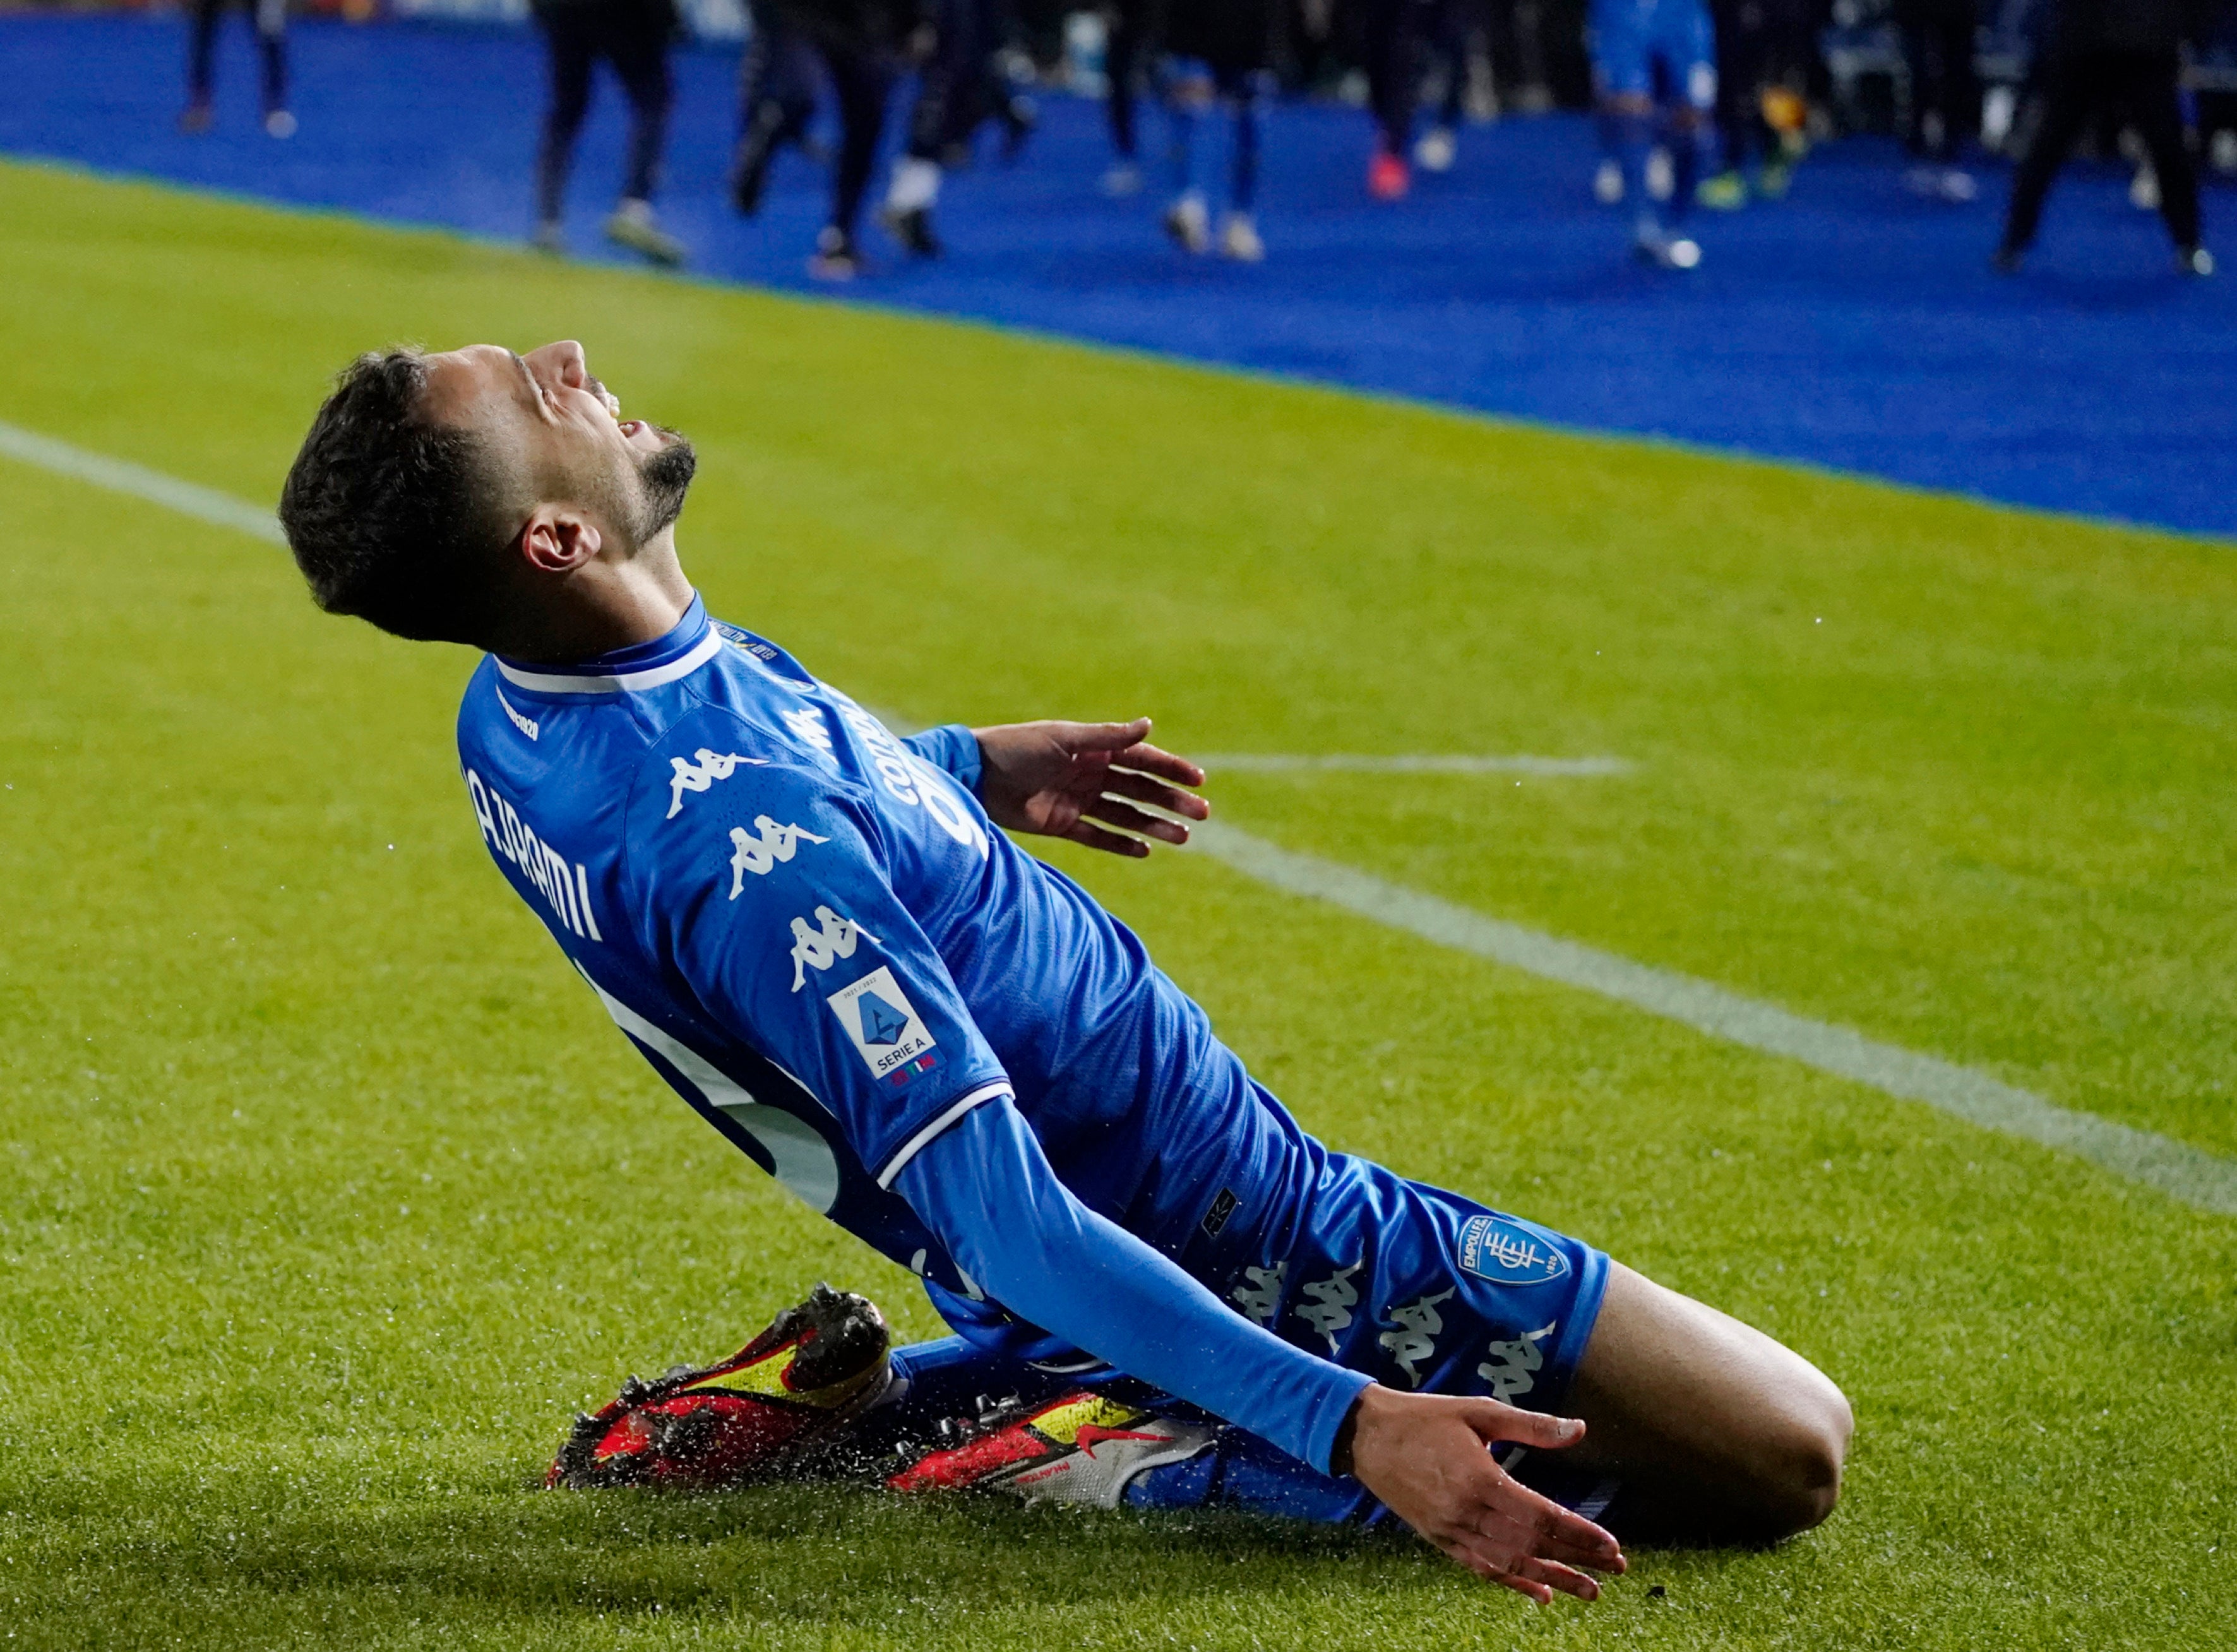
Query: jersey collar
{"type": "Point", "coordinates": [630, 670]}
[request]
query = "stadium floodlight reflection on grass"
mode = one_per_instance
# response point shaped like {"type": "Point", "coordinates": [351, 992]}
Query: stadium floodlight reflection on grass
{"type": "Point", "coordinates": [1813, 892]}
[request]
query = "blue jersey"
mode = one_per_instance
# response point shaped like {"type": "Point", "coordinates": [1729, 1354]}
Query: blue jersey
{"type": "Point", "coordinates": [811, 930]}
{"type": "Point", "coordinates": [810, 927]}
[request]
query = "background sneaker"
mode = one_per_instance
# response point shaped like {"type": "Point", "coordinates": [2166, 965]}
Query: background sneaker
{"type": "Point", "coordinates": [836, 258]}
{"type": "Point", "coordinates": [1239, 239]}
{"type": "Point", "coordinates": [1726, 192]}
{"type": "Point", "coordinates": [1436, 150]}
{"type": "Point", "coordinates": [912, 227]}
{"type": "Point", "coordinates": [631, 225]}
{"type": "Point", "coordinates": [1387, 177]}
{"type": "Point", "coordinates": [1189, 224]}
{"type": "Point", "coordinates": [1608, 183]}
{"type": "Point", "coordinates": [1658, 246]}
{"type": "Point", "coordinates": [279, 123]}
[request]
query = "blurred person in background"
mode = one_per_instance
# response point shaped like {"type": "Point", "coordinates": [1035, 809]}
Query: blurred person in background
{"type": "Point", "coordinates": [1129, 48]}
{"type": "Point", "coordinates": [1391, 31]}
{"type": "Point", "coordinates": [270, 18]}
{"type": "Point", "coordinates": [1762, 49]}
{"type": "Point", "coordinates": [633, 38]}
{"type": "Point", "coordinates": [858, 43]}
{"type": "Point", "coordinates": [2121, 56]}
{"type": "Point", "coordinates": [1221, 54]}
{"type": "Point", "coordinates": [1451, 27]}
{"type": "Point", "coordinates": [1937, 51]}
{"type": "Point", "coordinates": [964, 82]}
{"type": "Point", "coordinates": [776, 99]}
{"type": "Point", "coordinates": [1654, 74]}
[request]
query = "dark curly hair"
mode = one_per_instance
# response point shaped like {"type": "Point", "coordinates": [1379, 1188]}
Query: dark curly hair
{"type": "Point", "coordinates": [389, 514]}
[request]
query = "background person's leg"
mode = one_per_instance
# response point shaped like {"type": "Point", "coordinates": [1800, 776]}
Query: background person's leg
{"type": "Point", "coordinates": [1718, 1433]}
{"type": "Point", "coordinates": [858, 85]}
{"type": "Point", "coordinates": [2069, 95]}
{"type": "Point", "coordinates": [2148, 92]}
{"type": "Point", "coordinates": [272, 46]}
{"type": "Point", "coordinates": [568, 40]}
{"type": "Point", "coordinates": [201, 56]}
{"type": "Point", "coordinates": [636, 44]}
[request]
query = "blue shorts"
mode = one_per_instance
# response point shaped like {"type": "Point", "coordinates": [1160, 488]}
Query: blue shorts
{"type": "Point", "coordinates": [1419, 1288]}
{"type": "Point", "coordinates": [1633, 39]}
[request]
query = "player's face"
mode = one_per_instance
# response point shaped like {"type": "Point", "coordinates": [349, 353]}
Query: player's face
{"type": "Point", "coordinates": [557, 436]}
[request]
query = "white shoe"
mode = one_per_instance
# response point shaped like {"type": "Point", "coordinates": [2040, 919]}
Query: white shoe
{"type": "Point", "coordinates": [1662, 174]}
{"type": "Point", "coordinates": [2223, 150]}
{"type": "Point", "coordinates": [1608, 183]}
{"type": "Point", "coordinates": [2193, 260]}
{"type": "Point", "coordinates": [1123, 179]}
{"type": "Point", "coordinates": [551, 236]}
{"type": "Point", "coordinates": [280, 124]}
{"type": "Point", "coordinates": [1239, 239]}
{"type": "Point", "coordinates": [1658, 246]}
{"type": "Point", "coordinates": [2144, 190]}
{"type": "Point", "coordinates": [1436, 150]}
{"type": "Point", "coordinates": [1189, 224]}
{"type": "Point", "coordinates": [1957, 186]}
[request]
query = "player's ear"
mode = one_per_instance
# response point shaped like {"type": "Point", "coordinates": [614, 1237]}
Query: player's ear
{"type": "Point", "coordinates": [555, 540]}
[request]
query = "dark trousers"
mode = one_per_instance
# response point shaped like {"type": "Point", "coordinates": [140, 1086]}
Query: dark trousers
{"type": "Point", "coordinates": [631, 36]}
{"type": "Point", "coordinates": [1937, 51]}
{"type": "Point", "coordinates": [961, 85]}
{"type": "Point", "coordinates": [2140, 85]}
{"type": "Point", "coordinates": [1393, 31]}
{"type": "Point", "coordinates": [1126, 51]}
{"type": "Point", "coordinates": [776, 80]}
{"type": "Point", "coordinates": [270, 18]}
{"type": "Point", "coordinates": [860, 81]}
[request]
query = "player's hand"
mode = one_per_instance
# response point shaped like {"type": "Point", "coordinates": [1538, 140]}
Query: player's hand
{"type": "Point", "coordinates": [1058, 780]}
{"type": "Point", "coordinates": [1428, 1458]}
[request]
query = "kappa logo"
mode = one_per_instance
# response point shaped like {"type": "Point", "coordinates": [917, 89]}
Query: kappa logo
{"type": "Point", "coordinates": [1412, 1344]}
{"type": "Point", "coordinates": [758, 854]}
{"type": "Point", "coordinates": [1506, 1253]}
{"type": "Point", "coordinates": [1329, 1311]}
{"type": "Point", "coordinates": [698, 776]}
{"type": "Point", "coordinates": [1513, 1368]}
{"type": "Point", "coordinates": [884, 1026]}
{"type": "Point", "coordinates": [820, 948]}
{"type": "Point", "coordinates": [1260, 1296]}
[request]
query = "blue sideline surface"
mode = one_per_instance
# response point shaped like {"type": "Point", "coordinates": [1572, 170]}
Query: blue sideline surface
{"type": "Point", "coordinates": [1852, 326]}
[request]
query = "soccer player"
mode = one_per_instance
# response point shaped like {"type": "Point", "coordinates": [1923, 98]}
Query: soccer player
{"type": "Point", "coordinates": [817, 934]}
{"type": "Point", "coordinates": [1655, 70]}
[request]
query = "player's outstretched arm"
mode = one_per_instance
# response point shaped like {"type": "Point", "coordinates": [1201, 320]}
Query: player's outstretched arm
{"type": "Point", "coordinates": [1427, 1457]}
{"type": "Point", "coordinates": [1058, 780]}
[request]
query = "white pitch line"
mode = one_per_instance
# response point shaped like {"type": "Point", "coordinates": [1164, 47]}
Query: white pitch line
{"type": "Point", "coordinates": [1516, 763]}
{"type": "Point", "coordinates": [2189, 1174]}
{"type": "Point", "coordinates": [121, 475]}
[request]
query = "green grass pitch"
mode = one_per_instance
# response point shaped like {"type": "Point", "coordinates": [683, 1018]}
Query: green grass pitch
{"type": "Point", "coordinates": [328, 1191]}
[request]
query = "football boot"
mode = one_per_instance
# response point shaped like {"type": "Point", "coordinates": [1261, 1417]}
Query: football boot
{"type": "Point", "coordinates": [757, 1415]}
{"type": "Point", "coordinates": [1079, 1447]}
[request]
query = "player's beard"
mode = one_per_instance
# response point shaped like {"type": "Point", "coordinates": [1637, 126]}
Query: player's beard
{"type": "Point", "coordinates": [667, 478]}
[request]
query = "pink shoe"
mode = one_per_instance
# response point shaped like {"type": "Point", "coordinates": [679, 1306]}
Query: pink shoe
{"type": "Point", "coordinates": [1386, 176]}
